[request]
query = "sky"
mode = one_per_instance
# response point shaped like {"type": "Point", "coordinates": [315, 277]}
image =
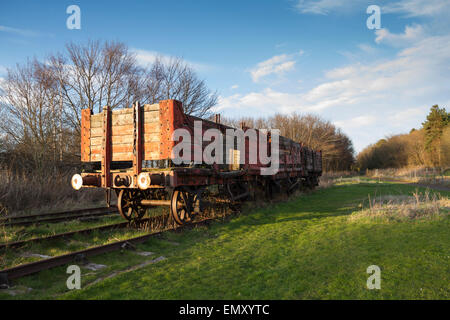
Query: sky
{"type": "Point", "coordinates": [266, 57]}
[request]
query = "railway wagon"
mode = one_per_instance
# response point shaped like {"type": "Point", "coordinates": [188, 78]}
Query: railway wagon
{"type": "Point", "coordinates": [142, 155]}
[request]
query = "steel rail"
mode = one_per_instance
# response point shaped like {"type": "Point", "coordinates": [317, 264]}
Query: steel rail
{"type": "Point", "coordinates": [77, 211]}
{"type": "Point", "coordinates": [17, 244]}
{"type": "Point", "coordinates": [57, 217]}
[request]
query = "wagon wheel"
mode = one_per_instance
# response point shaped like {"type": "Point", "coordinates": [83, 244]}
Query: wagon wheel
{"type": "Point", "coordinates": [182, 206]}
{"type": "Point", "coordinates": [128, 203]}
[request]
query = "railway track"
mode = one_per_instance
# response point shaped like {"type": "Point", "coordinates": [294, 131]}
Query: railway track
{"type": "Point", "coordinates": [29, 268]}
{"type": "Point", "coordinates": [57, 216]}
{"type": "Point", "coordinates": [21, 243]}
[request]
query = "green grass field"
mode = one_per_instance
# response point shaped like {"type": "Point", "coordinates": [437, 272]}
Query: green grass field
{"type": "Point", "coordinates": [305, 248]}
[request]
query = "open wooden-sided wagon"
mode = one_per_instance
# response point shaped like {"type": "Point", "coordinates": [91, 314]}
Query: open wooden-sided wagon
{"type": "Point", "coordinates": [136, 152]}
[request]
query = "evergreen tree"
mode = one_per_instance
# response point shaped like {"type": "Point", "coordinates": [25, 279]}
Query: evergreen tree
{"type": "Point", "coordinates": [437, 119]}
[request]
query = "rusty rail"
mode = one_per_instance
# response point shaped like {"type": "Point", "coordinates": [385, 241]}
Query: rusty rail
{"type": "Point", "coordinates": [17, 244]}
{"type": "Point", "coordinates": [57, 216]}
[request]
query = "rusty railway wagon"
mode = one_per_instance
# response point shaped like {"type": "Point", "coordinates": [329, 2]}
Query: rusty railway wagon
{"type": "Point", "coordinates": [131, 151]}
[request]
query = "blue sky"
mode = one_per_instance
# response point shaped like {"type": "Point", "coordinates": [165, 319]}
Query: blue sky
{"type": "Point", "coordinates": [263, 57]}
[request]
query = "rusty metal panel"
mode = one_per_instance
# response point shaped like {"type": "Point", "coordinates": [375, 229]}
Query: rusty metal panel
{"type": "Point", "coordinates": [86, 135]}
{"type": "Point", "coordinates": [171, 117]}
{"type": "Point", "coordinates": [137, 141]}
{"type": "Point", "coordinates": [106, 148]}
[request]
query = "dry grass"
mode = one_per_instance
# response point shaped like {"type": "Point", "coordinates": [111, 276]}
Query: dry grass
{"type": "Point", "coordinates": [400, 208]}
{"type": "Point", "coordinates": [407, 173]}
{"type": "Point", "coordinates": [21, 194]}
{"type": "Point", "coordinates": [329, 179]}
{"type": "Point", "coordinates": [326, 182]}
{"type": "Point", "coordinates": [3, 236]}
{"type": "Point", "coordinates": [420, 175]}
{"type": "Point", "coordinates": [339, 174]}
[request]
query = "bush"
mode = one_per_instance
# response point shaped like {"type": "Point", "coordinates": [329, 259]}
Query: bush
{"type": "Point", "coordinates": [401, 208]}
{"type": "Point", "coordinates": [23, 192]}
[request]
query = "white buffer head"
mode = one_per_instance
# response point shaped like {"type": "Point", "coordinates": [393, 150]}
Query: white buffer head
{"type": "Point", "coordinates": [144, 181]}
{"type": "Point", "coordinates": [77, 181]}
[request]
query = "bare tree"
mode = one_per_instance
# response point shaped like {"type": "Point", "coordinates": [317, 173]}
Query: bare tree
{"type": "Point", "coordinates": [96, 75]}
{"type": "Point", "coordinates": [175, 79]}
{"type": "Point", "coordinates": [29, 98]}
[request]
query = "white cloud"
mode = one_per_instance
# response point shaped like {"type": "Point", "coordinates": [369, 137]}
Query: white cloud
{"type": "Point", "coordinates": [409, 8]}
{"type": "Point", "coordinates": [415, 8]}
{"type": "Point", "coordinates": [417, 71]}
{"type": "Point", "coordinates": [22, 32]}
{"type": "Point", "coordinates": [342, 72]}
{"type": "Point", "coordinates": [269, 101]}
{"type": "Point", "coordinates": [17, 31]}
{"type": "Point", "coordinates": [412, 34]}
{"type": "Point", "coordinates": [234, 87]}
{"type": "Point", "coordinates": [357, 122]}
{"type": "Point", "coordinates": [276, 65]}
{"type": "Point", "coordinates": [144, 57]}
{"type": "Point", "coordinates": [408, 116]}
{"type": "Point", "coordinates": [366, 48]}
{"type": "Point", "coordinates": [362, 53]}
{"type": "Point", "coordinates": [147, 57]}
{"type": "Point", "coordinates": [324, 7]}
{"type": "Point", "coordinates": [261, 102]}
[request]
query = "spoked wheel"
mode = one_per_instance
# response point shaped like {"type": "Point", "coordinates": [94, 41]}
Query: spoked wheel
{"type": "Point", "coordinates": [128, 203]}
{"type": "Point", "coordinates": [183, 206]}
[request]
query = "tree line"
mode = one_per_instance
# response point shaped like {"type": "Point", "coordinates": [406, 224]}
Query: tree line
{"type": "Point", "coordinates": [427, 146]}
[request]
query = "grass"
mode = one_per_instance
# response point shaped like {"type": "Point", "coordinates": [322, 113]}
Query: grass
{"type": "Point", "coordinates": [305, 248]}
